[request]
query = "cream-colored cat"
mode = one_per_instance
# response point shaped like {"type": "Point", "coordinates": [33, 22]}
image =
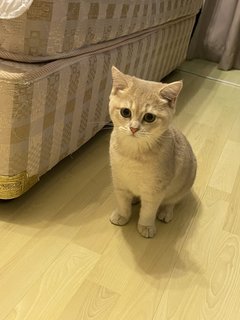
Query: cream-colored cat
{"type": "Point", "coordinates": [150, 160]}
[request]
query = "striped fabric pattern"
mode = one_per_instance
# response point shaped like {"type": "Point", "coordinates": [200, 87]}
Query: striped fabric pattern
{"type": "Point", "coordinates": [53, 29]}
{"type": "Point", "coordinates": [49, 110]}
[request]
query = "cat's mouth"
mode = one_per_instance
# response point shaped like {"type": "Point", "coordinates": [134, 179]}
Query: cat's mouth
{"type": "Point", "coordinates": [133, 135]}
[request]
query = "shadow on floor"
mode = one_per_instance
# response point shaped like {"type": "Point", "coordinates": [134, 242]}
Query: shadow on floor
{"type": "Point", "coordinates": [161, 253]}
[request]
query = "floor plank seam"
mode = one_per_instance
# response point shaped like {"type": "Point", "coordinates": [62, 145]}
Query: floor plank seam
{"type": "Point", "coordinates": [230, 83]}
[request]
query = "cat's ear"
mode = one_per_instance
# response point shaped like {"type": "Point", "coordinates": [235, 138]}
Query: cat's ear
{"type": "Point", "coordinates": [121, 81]}
{"type": "Point", "coordinates": [171, 91]}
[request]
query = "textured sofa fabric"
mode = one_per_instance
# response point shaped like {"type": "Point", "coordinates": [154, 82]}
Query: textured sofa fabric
{"type": "Point", "coordinates": [49, 109]}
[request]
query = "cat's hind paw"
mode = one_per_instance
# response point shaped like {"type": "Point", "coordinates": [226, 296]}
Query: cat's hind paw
{"type": "Point", "coordinates": [147, 231]}
{"type": "Point", "coordinates": [118, 220]}
{"type": "Point", "coordinates": [165, 214]}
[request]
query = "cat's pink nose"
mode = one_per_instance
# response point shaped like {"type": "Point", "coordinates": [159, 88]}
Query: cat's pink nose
{"type": "Point", "coordinates": [134, 129]}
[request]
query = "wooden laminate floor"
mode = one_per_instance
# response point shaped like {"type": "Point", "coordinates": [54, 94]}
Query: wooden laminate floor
{"type": "Point", "coordinates": [61, 259]}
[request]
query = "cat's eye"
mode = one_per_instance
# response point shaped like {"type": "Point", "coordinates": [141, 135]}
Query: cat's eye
{"type": "Point", "coordinates": [125, 113]}
{"type": "Point", "coordinates": [149, 117]}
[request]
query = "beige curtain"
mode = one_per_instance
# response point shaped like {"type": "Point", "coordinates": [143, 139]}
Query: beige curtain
{"type": "Point", "coordinates": [217, 35]}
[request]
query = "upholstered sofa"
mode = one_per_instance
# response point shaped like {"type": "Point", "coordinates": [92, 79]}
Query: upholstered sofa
{"type": "Point", "coordinates": [55, 80]}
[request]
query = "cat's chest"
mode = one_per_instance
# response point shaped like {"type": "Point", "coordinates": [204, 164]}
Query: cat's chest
{"type": "Point", "coordinates": [135, 168]}
{"type": "Point", "coordinates": [135, 175]}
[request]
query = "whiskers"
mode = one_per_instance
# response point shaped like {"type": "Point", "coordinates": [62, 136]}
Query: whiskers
{"type": "Point", "coordinates": [101, 122]}
{"type": "Point", "coordinates": [104, 124]}
{"type": "Point", "coordinates": [122, 128]}
{"type": "Point", "coordinates": [108, 126]}
{"type": "Point", "coordinates": [144, 133]}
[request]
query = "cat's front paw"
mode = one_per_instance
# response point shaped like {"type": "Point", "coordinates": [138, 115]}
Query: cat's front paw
{"type": "Point", "coordinates": [147, 231]}
{"type": "Point", "coordinates": [118, 220]}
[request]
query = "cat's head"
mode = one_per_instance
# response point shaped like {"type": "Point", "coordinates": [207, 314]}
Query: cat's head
{"type": "Point", "coordinates": [141, 109]}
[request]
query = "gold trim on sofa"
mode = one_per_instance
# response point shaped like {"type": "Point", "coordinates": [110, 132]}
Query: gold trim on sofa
{"type": "Point", "coordinates": [14, 186]}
